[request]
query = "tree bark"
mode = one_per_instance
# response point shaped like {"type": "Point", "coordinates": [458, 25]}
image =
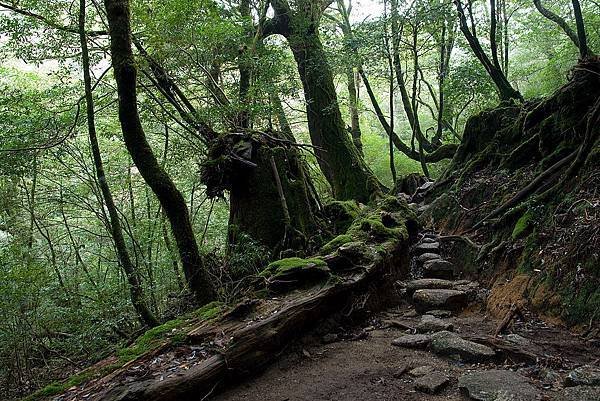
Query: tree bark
{"type": "Point", "coordinates": [558, 21]}
{"type": "Point", "coordinates": [583, 48]}
{"type": "Point", "coordinates": [118, 16]}
{"type": "Point", "coordinates": [135, 288]}
{"type": "Point", "coordinates": [338, 158]}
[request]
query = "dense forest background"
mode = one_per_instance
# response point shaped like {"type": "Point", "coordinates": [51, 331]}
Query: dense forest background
{"type": "Point", "coordinates": [89, 253]}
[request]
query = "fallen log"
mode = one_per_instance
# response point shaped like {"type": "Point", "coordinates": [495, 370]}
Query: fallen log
{"type": "Point", "coordinates": [250, 346]}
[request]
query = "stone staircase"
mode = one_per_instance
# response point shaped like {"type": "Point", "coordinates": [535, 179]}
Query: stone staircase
{"type": "Point", "coordinates": [434, 285]}
{"type": "Point", "coordinates": [492, 368]}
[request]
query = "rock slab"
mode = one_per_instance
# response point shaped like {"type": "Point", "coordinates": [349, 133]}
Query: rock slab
{"type": "Point", "coordinates": [417, 341]}
{"type": "Point", "coordinates": [452, 345]}
{"type": "Point", "coordinates": [431, 383]}
{"type": "Point", "coordinates": [497, 385]}
{"type": "Point", "coordinates": [428, 299]}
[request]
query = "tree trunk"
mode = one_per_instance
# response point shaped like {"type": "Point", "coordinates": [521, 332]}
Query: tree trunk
{"type": "Point", "coordinates": [583, 48]}
{"type": "Point", "coordinates": [353, 106]}
{"type": "Point", "coordinates": [558, 21]}
{"type": "Point", "coordinates": [339, 160]}
{"type": "Point", "coordinates": [258, 198]}
{"type": "Point", "coordinates": [505, 89]}
{"type": "Point", "coordinates": [163, 187]}
{"type": "Point", "coordinates": [135, 288]}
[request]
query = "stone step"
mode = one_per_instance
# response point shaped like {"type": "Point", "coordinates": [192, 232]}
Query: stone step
{"type": "Point", "coordinates": [449, 299]}
{"type": "Point", "coordinates": [448, 344]}
{"type": "Point", "coordinates": [439, 268]}
{"type": "Point", "coordinates": [427, 256]}
{"type": "Point", "coordinates": [435, 283]}
{"type": "Point", "coordinates": [426, 247]}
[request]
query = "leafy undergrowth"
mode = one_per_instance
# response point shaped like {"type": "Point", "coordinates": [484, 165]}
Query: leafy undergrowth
{"type": "Point", "coordinates": [173, 332]}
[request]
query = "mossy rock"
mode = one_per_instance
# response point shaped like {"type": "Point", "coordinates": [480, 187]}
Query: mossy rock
{"type": "Point", "coordinates": [286, 274]}
{"type": "Point", "coordinates": [351, 255]}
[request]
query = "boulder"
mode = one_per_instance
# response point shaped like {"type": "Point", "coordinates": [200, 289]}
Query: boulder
{"type": "Point", "coordinates": [438, 268]}
{"type": "Point", "coordinates": [497, 385]}
{"type": "Point", "coordinates": [452, 345]}
{"type": "Point", "coordinates": [428, 299]}
{"type": "Point", "coordinates": [431, 383]}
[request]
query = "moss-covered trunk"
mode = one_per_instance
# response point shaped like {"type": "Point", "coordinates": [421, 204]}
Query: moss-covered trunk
{"type": "Point", "coordinates": [338, 158]}
{"type": "Point", "coordinates": [118, 16]}
{"type": "Point", "coordinates": [269, 193]}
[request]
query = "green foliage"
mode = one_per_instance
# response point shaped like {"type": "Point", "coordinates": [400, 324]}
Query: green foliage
{"type": "Point", "coordinates": [61, 287]}
{"type": "Point", "coordinates": [246, 257]}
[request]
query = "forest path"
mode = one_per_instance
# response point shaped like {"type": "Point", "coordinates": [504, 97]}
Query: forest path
{"type": "Point", "coordinates": [534, 361]}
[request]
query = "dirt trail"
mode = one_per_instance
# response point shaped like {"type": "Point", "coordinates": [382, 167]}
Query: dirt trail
{"type": "Point", "coordinates": [370, 369]}
{"type": "Point", "coordinates": [455, 356]}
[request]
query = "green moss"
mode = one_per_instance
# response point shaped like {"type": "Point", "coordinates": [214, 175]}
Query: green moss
{"type": "Point", "coordinates": [336, 243]}
{"type": "Point", "coordinates": [59, 387]}
{"type": "Point", "coordinates": [372, 226]}
{"type": "Point", "coordinates": [209, 311]}
{"type": "Point", "coordinates": [342, 214]}
{"type": "Point", "coordinates": [522, 225]}
{"type": "Point", "coordinates": [150, 339]}
{"type": "Point", "coordinates": [284, 265]}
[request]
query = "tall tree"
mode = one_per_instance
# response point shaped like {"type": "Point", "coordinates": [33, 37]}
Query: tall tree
{"type": "Point", "coordinates": [338, 158]}
{"type": "Point", "coordinates": [135, 288]}
{"type": "Point", "coordinates": [173, 203]}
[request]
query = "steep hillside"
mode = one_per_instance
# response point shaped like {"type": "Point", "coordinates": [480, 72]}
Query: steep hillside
{"type": "Point", "coordinates": [524, 186]}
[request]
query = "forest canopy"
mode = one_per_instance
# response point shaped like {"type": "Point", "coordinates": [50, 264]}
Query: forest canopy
{"type": "Point", "coordinates": [155, 156]}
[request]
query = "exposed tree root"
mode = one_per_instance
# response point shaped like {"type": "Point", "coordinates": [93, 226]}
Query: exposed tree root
{"type": "Point", "coordinates": [533, 187]}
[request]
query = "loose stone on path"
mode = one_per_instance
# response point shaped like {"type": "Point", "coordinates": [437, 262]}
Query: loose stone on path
{"type": "Point", "coordinates": [452, 345]}
{"type": "Point", "coordinates": [497, 385]}
{"type": "Point", "coordinates": [431, 383]}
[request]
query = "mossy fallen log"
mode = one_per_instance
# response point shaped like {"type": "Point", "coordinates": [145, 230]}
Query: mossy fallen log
{"type": "Point", "coordinates": [247, 338]}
